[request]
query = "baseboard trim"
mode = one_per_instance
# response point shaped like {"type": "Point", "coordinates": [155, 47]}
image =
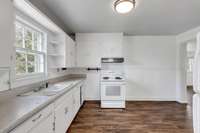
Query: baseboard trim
{"type": "Point", "coordinates": [150, 99]}
{"type": "Point", "coordinates": [181, 102]}
{"type": "Point", "coordinates": [144, 100]}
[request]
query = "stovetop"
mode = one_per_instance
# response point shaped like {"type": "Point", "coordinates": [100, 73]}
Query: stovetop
{"type": "Point", "coordinates": [112, 76]}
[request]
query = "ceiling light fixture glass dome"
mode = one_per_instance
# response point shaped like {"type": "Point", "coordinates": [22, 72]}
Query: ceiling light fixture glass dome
{"type": "Point", "coordinates": [124, 6]}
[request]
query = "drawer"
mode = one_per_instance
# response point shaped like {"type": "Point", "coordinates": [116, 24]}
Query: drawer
{"type": "Point", "coordinates": [34, 120]}
{"type": "Point", "coordinates": [63, 98]}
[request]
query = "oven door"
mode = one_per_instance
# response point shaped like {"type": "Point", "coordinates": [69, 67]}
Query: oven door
{"type": "Point", "coordinates": [113, 91]}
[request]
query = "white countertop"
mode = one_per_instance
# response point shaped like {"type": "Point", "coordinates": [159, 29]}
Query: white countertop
{"type": "Point", "coordinates": [18, 109]}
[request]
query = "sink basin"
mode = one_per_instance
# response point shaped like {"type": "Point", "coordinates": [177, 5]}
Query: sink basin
{"type": "Point", "coordinates": [50, 91]}
{"type": "Point", "coordinates": [53, 90]}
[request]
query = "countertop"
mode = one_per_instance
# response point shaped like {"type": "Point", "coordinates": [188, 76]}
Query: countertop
{"type": "Point", "coordinates": [15, 111]}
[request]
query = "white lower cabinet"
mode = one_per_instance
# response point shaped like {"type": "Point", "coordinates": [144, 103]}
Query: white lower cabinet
{"type": "Point", "coordinates": [55, 118]}
{"type": "Point", "coordinates": [39, 123]}
{"type": "Point", "coordinates": [76, 100]}
{"type": "Point", "coordinates": [63, 114]}
{"type": "Point", "coordinates": [66, 109]}
{"type": "Point", "coordinates": [45, 126]}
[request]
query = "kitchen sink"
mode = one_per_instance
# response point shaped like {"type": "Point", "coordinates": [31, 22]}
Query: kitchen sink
{"type": "Point", "coordinates": [50, 91]}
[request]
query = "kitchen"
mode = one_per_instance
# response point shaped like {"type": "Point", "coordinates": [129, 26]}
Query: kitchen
{"type": "Point", "coordinates": [63, 68]}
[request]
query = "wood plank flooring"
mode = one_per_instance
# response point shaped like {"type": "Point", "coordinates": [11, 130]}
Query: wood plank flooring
{"type": "Point", "coordinates": [138, 117]}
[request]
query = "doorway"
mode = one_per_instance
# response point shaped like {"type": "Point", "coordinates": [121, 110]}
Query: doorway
{"type": "Point", "coordinates": [190, 53]}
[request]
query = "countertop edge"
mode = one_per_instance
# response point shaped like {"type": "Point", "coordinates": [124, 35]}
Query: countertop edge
{"type": "Point", "coordinates": [52, 99]}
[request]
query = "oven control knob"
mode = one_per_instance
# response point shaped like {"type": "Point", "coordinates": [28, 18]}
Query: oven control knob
{"type": "Point", "coordinates": [105, 77]}
{"type": "Point", "coordinates": [118, 78]}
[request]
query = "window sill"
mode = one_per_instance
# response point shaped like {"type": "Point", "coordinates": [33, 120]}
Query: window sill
{"type": "Point", "coordinates": [29, 76]}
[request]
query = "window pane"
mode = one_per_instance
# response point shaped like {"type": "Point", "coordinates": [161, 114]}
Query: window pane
{"type": "Point", "coordinates": [31, 63]}
{"type": "Point", "coordinates": [40, 62]}
{"type": "Point", "coordinates": [37, 41]}
{"type": "Point", "coordinates": [20, 63]}
{"type": "Point", "coordinates": [19, 35]}
{"type": "Point", "coordinates": [28, 39]}
{"type": "Point", "coordinates": [29, 59]}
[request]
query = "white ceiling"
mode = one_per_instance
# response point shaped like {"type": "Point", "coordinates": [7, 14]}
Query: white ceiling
{"type": "Point", "coordinates": [151, 17]}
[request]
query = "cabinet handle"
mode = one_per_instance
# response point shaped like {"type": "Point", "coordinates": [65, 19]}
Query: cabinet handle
{"type": "Point", "coordinates": [54, 126]}
{"type": "Point", "coordinates": [66, 110]}
{"type": "Point", "coordinates": [34, 120]}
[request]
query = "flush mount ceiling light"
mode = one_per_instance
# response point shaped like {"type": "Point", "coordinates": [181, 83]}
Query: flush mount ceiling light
{"type": "Point", "coordinates": [124, 6]}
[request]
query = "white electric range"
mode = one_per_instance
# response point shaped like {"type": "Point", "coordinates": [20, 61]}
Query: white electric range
{"type": "Point", "coordinates": [113, 89]}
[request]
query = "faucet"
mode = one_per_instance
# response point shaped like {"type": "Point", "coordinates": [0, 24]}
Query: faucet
{"type": "Point", "coordinates": [41, 86]}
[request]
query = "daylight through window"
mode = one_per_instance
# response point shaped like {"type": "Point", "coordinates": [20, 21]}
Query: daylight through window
{"type": "Point", "coordinates": [30, 54]}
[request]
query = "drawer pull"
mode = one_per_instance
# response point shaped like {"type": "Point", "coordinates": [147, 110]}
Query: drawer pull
{"type": "Point", "coordinates": [34, 120]}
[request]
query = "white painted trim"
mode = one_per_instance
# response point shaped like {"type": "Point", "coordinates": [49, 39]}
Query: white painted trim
{"type": "Point", "coordinates": [29, 9]}
{"type": "Point", "coordinates": [188, 35]}
{"type": "Point", "coordinates": [129, 98]}
{"type": "Point", "coordinates": [92, 99]}
{"type": "Point", "coordinates": [182, 101]}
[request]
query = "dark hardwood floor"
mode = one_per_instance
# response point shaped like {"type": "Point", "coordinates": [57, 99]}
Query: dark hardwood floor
{"type": "Point", "coordinates": [138, 117]}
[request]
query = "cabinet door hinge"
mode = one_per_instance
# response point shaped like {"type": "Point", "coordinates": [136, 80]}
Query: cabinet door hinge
{"type": "Point", "coordinates": [54, 126]}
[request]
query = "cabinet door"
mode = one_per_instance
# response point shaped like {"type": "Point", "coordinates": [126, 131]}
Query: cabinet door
{"type": "Point", "coordinates": [6, 32]}
{"type": "Point", "coordinates": [69, 52]}
{"type": "Point", "coordinates": [63, 115]}
{"type": "Point", "coordinates": [45, 126]}
{"type": "Point", "coordinates": [76, 100]}
{"type": "Point", "coordinates": [72, 52]}
{"type": "Point", "coordinates": [36, 122]}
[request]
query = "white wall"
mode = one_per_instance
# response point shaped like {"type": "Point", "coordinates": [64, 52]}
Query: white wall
{"type": "Point", "coordinates": [150, 67]}
{"type": "Point", "coordinates": [6, 32]}
{"type": "Point", "coordinates": [91, 47]}
{"type": "Point", "coordinates": [181, 72]}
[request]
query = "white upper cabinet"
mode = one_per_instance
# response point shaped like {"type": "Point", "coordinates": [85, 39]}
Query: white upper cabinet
{"type": "Point", "coordinates": [91, 47]}
{"type": "Point", "coordinates": [6, 32]}
{"type": "Point", "coordinates": [70, 49]}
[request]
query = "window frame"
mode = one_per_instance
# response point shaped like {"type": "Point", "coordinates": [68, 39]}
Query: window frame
{"type": "Point", "coordinates": [27, 51]}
